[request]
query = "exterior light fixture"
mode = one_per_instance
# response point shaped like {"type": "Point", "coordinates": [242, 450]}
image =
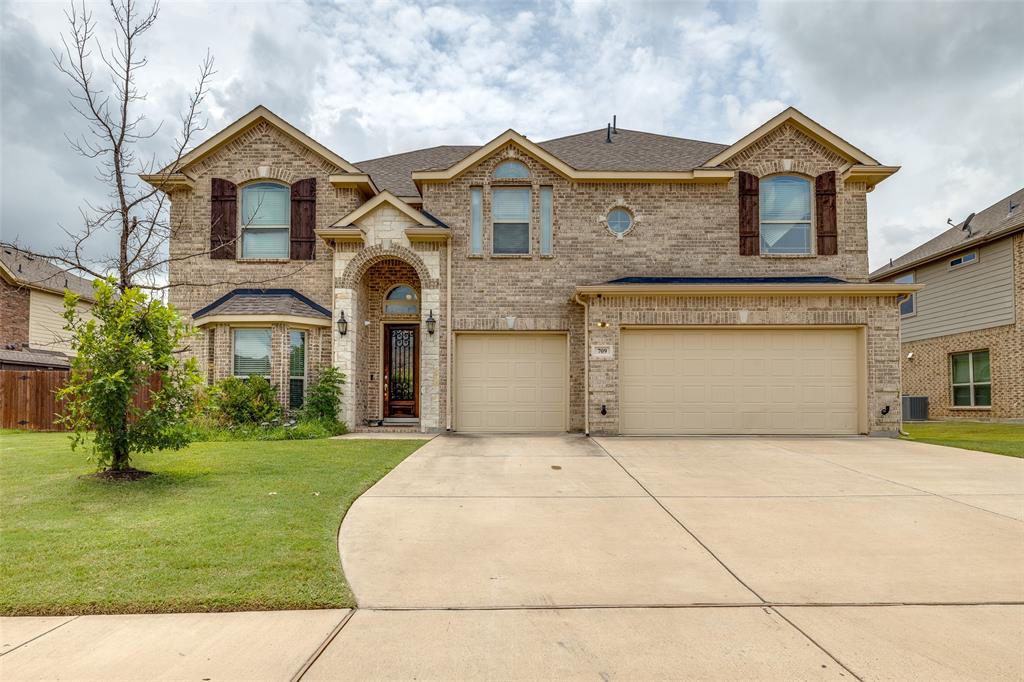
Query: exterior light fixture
{"type": "Point", "coordinates": [342, 324]}
{"type": "Point", "coordinates": [431, 323]}
{"type": "Point", "coordinates": [602, 324]}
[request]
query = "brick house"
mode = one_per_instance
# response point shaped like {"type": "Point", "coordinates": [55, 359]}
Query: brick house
{"type": "Point", "coordinates": [963, 343]}
{"type": "Point", "coordinates": [32, 290]}
{"type": "Point", "coordinates": [612, 281]}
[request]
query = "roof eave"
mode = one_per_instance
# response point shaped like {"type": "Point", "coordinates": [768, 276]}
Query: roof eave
{"type": "Point", "coordinates": [881, 273]}
{"type": "Point", "coordinates": [239, 319]}
{"type": "Point", "coordinates": [843, 289]}
{"type": "Point", "coordinates": [869, 175]}
{"type": "Point", "coordinates": [166, 182]}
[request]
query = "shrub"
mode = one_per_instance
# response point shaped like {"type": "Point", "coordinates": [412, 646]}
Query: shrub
{"type": "Point", "coordinates": [252, 400]}
{"type": "Point", "coordinates": [324, 398]}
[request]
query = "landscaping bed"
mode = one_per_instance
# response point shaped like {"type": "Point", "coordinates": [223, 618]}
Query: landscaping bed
{"type": "Point", "coordinates": [219, 526]}
{"type": "Point", "coordinates": [1000, 438]}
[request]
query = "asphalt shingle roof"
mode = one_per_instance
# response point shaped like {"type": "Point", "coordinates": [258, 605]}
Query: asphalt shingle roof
{"type": "Point", "coordinates": [629, 150]}
{"type": "Point", "coordinates": [264, 302]}
{"type": "Point", "coordinates": [394, 173]}
{"type": "Point", "coordinates": [32, 357]}
{"type": "Point", "coordinates": [41, 273]}
{"type": "Point", "coordinates": [994, 220]}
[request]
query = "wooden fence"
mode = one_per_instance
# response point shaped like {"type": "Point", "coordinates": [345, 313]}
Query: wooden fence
{"type": "Point", "coordinates": [28, 399]}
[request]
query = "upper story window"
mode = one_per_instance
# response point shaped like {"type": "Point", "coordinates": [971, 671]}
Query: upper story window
{"type": "Point", "coordinates": [510, 218]}
{"type": "Point", "coordinates": [908, 303]}
{"type": "Point", "coordinates": [511, 170]}
{"type": "Point", "coordinates": [619, 221]}
{"type": "Point", "coordinates": [266, 216]}
{"type": "Point", "coordinates": [964, 259]}
{"type": "Point", "coordinates": [402, 300]}
{"type": "Point", "coordinates": [785, 203]}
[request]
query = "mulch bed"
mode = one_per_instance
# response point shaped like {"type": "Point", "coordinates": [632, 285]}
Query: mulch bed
{"type": "Point", "coordinates": [129, 474]}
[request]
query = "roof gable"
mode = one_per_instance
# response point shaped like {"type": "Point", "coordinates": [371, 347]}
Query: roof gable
{"type": "Point", "coordinates": [390, 199]}
{"type": "Point", "coordinates": [260, 113]}
{"type": "Point", "coordinates": [805, 125]}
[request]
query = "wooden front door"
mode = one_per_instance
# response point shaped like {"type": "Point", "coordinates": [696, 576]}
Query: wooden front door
{"type": "Point", "coordinates": [401, 370]}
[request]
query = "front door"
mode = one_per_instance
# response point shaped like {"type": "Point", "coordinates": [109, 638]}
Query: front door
{"type": "Point", "coordinates": [401, 370]}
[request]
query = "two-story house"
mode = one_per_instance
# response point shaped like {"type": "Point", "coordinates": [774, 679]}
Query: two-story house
{"type": "Point", "coordinates": [32, 334]}
{"type": "Point", "coordinates": [963, 342]}
{"type": "Point", "coordinates": [612, 281]}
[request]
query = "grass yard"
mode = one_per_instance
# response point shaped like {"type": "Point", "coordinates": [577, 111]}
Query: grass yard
{"type": "Point", "coordinates": [1002, 439]}
{"type": "Point", "coordinates": [220, 527]}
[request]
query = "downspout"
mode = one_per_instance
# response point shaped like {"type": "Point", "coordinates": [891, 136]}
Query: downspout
{"type": "Point", "coordinates": [448, 330]}
{"type": "Point", "coordinates": [586, 363]}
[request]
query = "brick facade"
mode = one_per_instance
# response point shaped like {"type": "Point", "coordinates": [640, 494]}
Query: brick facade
{"type": "Point", "coordinates": [928, 373]}
{"type": "Point", "coordinates": [14, 313]}
{"type": "Point", "coordinates": [681, 229]}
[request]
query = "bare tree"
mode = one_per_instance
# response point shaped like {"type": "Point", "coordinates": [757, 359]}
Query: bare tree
{"type": "Point", "coordinates": [135, 212]}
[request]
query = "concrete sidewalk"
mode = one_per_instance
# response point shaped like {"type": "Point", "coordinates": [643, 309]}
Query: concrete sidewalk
{"type": "Point", "coordinates": [624, 558]}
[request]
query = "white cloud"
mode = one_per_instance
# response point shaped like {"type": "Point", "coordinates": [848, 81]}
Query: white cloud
{"type": "Point", "coordinates": [937, 88]}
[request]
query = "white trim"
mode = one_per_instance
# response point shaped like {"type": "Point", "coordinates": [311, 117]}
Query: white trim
{"type": "Point", "coordinates": [238, 320]}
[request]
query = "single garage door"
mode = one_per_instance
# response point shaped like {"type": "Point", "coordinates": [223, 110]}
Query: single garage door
{"type": "Point", "coordinates": [756, 381]}
{"type": "Point", "coordinates": [510, 382]}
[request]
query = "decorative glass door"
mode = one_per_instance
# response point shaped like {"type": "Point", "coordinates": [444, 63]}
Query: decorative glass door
{"type": "Point", "coordinates": [401, 370]}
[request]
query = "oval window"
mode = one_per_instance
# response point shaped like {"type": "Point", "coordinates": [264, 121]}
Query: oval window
{"type": "Point", "coordinates": [402, 300]}
{"type": "Point", "coordinates": [619, 220]}
{"type": "Point", "coordinates": [512, 170]}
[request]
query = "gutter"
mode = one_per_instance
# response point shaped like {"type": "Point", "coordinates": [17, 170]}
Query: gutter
{"type": "Point", "coordinates": [450, 348]}
{"type": "Point", "coordinates": [844, 289]}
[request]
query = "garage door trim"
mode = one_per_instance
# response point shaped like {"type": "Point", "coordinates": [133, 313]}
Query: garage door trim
{"type": "Point", "coordinates": [454, 378]}
{"type": "Point", "coordinates": [861, 359]}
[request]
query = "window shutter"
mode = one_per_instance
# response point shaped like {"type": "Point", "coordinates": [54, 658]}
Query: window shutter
{"type": "Point", "coordinates": [303, 232]}
{"type": "Point", "coordinates": [223, 218]}
{"type": "Point", "coordinates": [750, 219]}
{"type": "Point", "coordinates": [825, 212]}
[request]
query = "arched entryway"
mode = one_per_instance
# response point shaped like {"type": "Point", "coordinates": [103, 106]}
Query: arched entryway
{"type": "Point", "coordinates": [388, 389]}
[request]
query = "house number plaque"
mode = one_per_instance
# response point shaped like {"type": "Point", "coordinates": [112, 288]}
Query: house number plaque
{"type": "Point", "coordinates": [602, 352]}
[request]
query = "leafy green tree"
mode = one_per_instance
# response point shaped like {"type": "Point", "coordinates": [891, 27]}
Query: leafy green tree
{"type": "Point", "coordinates": [125, 339]}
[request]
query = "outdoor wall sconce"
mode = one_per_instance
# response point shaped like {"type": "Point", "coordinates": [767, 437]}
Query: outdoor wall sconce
{"type": "Point", "coordinates": [431, 323]}
{"type": "Point", "coordinates": [602, 324]}
{"type": "Point", "coordinates": [342, 324]}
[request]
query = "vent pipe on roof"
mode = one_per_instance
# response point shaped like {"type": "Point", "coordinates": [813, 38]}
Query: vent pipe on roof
{"type": "Point", "coordinates": [608, 135]}
{"type": "Point", "coordinates": [615, 124]}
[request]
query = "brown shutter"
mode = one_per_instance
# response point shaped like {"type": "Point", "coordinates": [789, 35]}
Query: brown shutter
{"type": "Point", "coordinates": [825, 212]}
{"type": "Point", "coordinates": [304, 220]}
{"type": "Point", "coordinates": [750, 217]}
{"type": "Point", "coordinates": [223, 218]}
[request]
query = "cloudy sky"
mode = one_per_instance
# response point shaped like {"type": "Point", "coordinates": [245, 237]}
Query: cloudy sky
{"type": "Point", "coordinates": [937, 88]}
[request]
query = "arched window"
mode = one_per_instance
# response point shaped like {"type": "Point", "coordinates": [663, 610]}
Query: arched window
{"type": "Point", "coordinates": [266, 217]}
{"type": "Point", "coordinates": [511, 170]}
{"type": "Point", "coordinates": [785, 202]}
{"type": "Point", "coordinates": [402, 300]}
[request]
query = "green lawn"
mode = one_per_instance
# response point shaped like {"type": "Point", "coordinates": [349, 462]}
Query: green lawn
{"type": "Point", "coordinates": [1002, 439]}
{"type": "Point", "coordinates": [220, 527]}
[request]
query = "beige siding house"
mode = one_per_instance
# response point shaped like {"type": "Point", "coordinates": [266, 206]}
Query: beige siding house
{"type": "Point", "coordinates": [962, 340]}
{"type": "Point", "coordinates": [31, 310]}
{"type": "Point", "coordinates": [611, 281]}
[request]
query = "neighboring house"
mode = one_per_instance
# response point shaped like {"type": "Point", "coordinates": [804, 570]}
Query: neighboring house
{"type": "Point", "coordinates": [612, 281]}
{"type": "Point", "coordinates": [31, 310]}
{"type": "Point", "coordinates": [962, 334]}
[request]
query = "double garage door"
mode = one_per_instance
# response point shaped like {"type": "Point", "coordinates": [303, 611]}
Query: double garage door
{"type": "Point", "coordinates": [671, 381]}
{"type": "Point", "coordinates": [739, 381]}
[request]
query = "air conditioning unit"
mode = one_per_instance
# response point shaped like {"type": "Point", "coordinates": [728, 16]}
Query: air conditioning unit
{"type": "Point", "coordinates": [915, 408]}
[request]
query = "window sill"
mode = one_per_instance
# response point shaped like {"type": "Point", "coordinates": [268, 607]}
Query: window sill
{"type": "Point", "coordinates": [528, 256]}
{"type": "Point", "coordinates": [263, 260]}
{"type": "Point", "coordinates": [973, 408]}
{"type": "Point", "coordinates": [788, 255]}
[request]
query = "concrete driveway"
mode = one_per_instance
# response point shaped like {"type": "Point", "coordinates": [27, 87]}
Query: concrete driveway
{"type": "Point", "coordinates": [625, 558]}
{"type": "Point", "coordinates": [694, 557]}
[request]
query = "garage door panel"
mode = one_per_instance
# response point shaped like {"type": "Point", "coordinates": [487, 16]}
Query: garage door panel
{"type": "Point", "coordinates": [739, 381]}
{"type": "Point", "coordinates": [510, 382]}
